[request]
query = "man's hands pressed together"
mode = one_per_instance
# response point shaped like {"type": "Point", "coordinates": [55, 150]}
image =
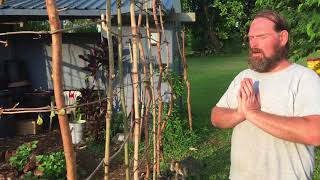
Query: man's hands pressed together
{"type": "Point", "coordinates": [248, 99]}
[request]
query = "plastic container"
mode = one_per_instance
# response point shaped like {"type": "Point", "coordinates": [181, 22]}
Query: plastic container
{"type": "Point", "coordinates": [76, 129]}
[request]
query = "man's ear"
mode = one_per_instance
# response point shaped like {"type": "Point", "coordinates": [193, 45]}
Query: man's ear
{"type": "Point", "coordinates": [284, 37]}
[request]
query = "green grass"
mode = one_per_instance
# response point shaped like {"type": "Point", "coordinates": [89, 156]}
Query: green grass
{"type": "Point", "coordinates": [210, 77]}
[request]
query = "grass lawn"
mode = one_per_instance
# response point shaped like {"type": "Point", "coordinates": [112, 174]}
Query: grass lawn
{"type": "Point", "coordinates": [210, 77]}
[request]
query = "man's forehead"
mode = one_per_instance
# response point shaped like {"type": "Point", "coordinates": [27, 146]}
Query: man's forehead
{"type": "Point", "coordinates": [261, 25]}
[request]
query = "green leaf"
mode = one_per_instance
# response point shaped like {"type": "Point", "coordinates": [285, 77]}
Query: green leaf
{"type": "Point", "coordinates": [310, 31]}
{"type": "Point", "coordinates": [52, 114]}
{"type": "Point", "coordinates": [39, 120]}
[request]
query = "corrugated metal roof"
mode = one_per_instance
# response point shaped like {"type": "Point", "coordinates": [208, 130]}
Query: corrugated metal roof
{"type": "Point", "coordinates": [74, 7]}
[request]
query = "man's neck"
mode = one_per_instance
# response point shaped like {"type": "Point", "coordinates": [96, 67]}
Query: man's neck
{"type": "Point", "coordinates": [281, 65]}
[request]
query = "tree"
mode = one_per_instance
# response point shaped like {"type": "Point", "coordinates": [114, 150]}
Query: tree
{"type": "Point", "coordinates": [220, 21]}
{"type": "Point", "coordinates": [223, 21]}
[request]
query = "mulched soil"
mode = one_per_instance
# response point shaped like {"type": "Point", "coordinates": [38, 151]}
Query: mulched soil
{"type": "Point", "coordinates": [51, 142]}
{"type": "Point", "coordinates": [48, 142]}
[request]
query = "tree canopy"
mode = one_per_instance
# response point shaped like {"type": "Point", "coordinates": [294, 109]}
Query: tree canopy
{"type": "Point", "coordinates": [220, 21]}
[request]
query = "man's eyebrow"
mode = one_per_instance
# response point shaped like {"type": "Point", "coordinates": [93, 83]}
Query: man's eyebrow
{"type": "Point", "coordinates": [258, 35]}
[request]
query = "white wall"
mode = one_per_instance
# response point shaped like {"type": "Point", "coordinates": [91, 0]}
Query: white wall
{"type": "Point", "coordinates": [37, 55]}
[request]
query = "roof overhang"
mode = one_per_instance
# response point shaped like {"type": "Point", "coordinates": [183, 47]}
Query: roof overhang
{"type": "Point", "coordinates": [78, 8]}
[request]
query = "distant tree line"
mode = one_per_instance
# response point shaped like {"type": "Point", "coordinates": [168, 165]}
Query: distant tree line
{"type": "Point", "coordinates": [222, 25]}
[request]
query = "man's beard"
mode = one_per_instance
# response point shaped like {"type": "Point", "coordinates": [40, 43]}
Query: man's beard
{"type": "Point", "coordinates": [262, 63]}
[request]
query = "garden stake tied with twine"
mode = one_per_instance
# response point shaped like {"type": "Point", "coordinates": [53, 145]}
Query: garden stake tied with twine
{"type": "Point", "coordinates": [58, 88]}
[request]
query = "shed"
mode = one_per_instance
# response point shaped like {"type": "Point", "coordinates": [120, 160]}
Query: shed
{"type": "Point", "coordinates": [35, 50]}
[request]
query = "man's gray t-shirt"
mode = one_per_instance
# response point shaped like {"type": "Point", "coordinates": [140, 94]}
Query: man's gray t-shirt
{"type": "Point", "coordinates": [257, 155]}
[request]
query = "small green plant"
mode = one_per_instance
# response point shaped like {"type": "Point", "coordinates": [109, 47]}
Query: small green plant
{"type": "Point", "coordinates": [21, 157]}
{"type": "Point", "coordinates": [117, 123]}
{"type": "Point", "coordinates": [29, 176]}
{"type": "Point", "coordinates": [53, 165]}
{"type": "Point", "coordinates": [177, 137]}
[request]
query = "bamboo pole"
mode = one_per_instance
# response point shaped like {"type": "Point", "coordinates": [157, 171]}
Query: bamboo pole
{"type": "Point", "coordinates": [107, 27]}
{"type": "Point", "coordinates": [154, 114]}
{"type": "Point", "coordinates": [135, 78]}
{"type": "Point", "coordinates": [159, 97]}
{"type": "Point", "coordinates": [142, 58]}
{"type": "Point", "coordinates": [154, 118]}
{"type": "Point", "coordinates": [122, 95]}
{"type": "Point", "coordinates": [58, 89]}
{"type": "Point", "coordinates": [186, 79]}
{"type": "Point", "coordinates": [185, 76]}
{"type": "Point", "coordinates": [168, 71]}
{"type": "Point", "coordinates": [147, 91]}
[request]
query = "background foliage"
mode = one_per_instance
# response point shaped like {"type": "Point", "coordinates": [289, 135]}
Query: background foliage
{"type": "Point", "coordinates": [227, 24]}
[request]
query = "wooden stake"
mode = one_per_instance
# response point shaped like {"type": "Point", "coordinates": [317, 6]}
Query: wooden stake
{"type": "Point", "coordinates": [168, 75]}
{"type": "Point", "coordinates": [154, 114]}
{"type": "Point", "coordinates": [160, 103]}
{"type": "Point", "coordinates": [185, 77]}
{"type": "Point", "coordinates": [122, 95]}
{"type": "Point", "coordinates": [107, 27]}
{"type": "Point", "coordinates": [58, 89]}
{"type": "Point", "coordinates": [135, 79]}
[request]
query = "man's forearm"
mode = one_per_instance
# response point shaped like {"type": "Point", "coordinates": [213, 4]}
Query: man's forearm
{"type": "Point", "coordinates": [225, 117]}
{"type": "Point", "coordinates": [304, 130]}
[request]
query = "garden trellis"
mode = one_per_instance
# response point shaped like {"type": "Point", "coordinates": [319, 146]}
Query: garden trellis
{"type": "Point", "coordinates": [149, 98]}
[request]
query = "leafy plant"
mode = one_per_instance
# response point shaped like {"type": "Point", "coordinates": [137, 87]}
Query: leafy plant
{"type": "Point", "coordinates": [177, 137]}
{"type": "Point", "coordinates": [99, 57]}
{"type": "Point", "coordinates": [117, 123]}
{"type": "Point", "coordinates": [21, 157]}
{"type": "Point", "coordinates": [97, 60]}
{"type": "Point", "coordinates": [53, 165]}
{"type": "Point", "coordinates": [222, 19]}
{"type": "Point", "coordinates": [94, 114]}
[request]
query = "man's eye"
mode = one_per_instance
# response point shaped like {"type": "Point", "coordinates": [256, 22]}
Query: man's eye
{"type": "Point", "coordinates": [262, 36]}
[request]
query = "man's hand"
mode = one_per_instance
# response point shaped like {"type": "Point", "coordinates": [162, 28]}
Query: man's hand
{"type": "Point", "coordinates": [249, 100]}
{"type": "Point", "coordinates": [239, 108]}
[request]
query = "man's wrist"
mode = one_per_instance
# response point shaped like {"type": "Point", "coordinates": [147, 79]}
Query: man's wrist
{"type": "Point", "coordinates": [250, 115]}
{"type": "Point", "coordinates": [240, 116]}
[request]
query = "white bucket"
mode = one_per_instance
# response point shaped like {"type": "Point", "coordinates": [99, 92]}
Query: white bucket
{"type": "Point", "coordinates": [76, 129]}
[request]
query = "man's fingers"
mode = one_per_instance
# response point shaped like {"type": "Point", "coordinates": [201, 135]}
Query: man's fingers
{"type": "Point", "coordinates": [243, 94]}
{"type": "Point", "coordinates": [247, 86]}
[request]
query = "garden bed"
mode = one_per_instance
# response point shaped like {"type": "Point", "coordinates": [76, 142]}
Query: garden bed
{"type": "Point", "coordinates": [87, 157]}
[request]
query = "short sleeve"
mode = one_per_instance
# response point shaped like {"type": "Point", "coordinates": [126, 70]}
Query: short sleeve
{"type": "Point", "coordinates": [307, 101]}
{"type": "Point", "coordinates": [229, 98]}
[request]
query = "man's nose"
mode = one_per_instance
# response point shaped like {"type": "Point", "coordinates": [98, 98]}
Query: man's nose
{"type": "Point", "coordinates": [254, 43]}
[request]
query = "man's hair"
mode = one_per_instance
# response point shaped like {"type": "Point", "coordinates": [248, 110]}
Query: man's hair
{"type": "Point", "coordinates": [280, 24]}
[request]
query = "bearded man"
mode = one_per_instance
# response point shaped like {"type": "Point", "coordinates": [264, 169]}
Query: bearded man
{"type": "Point", "coordinates": [273, 108]}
